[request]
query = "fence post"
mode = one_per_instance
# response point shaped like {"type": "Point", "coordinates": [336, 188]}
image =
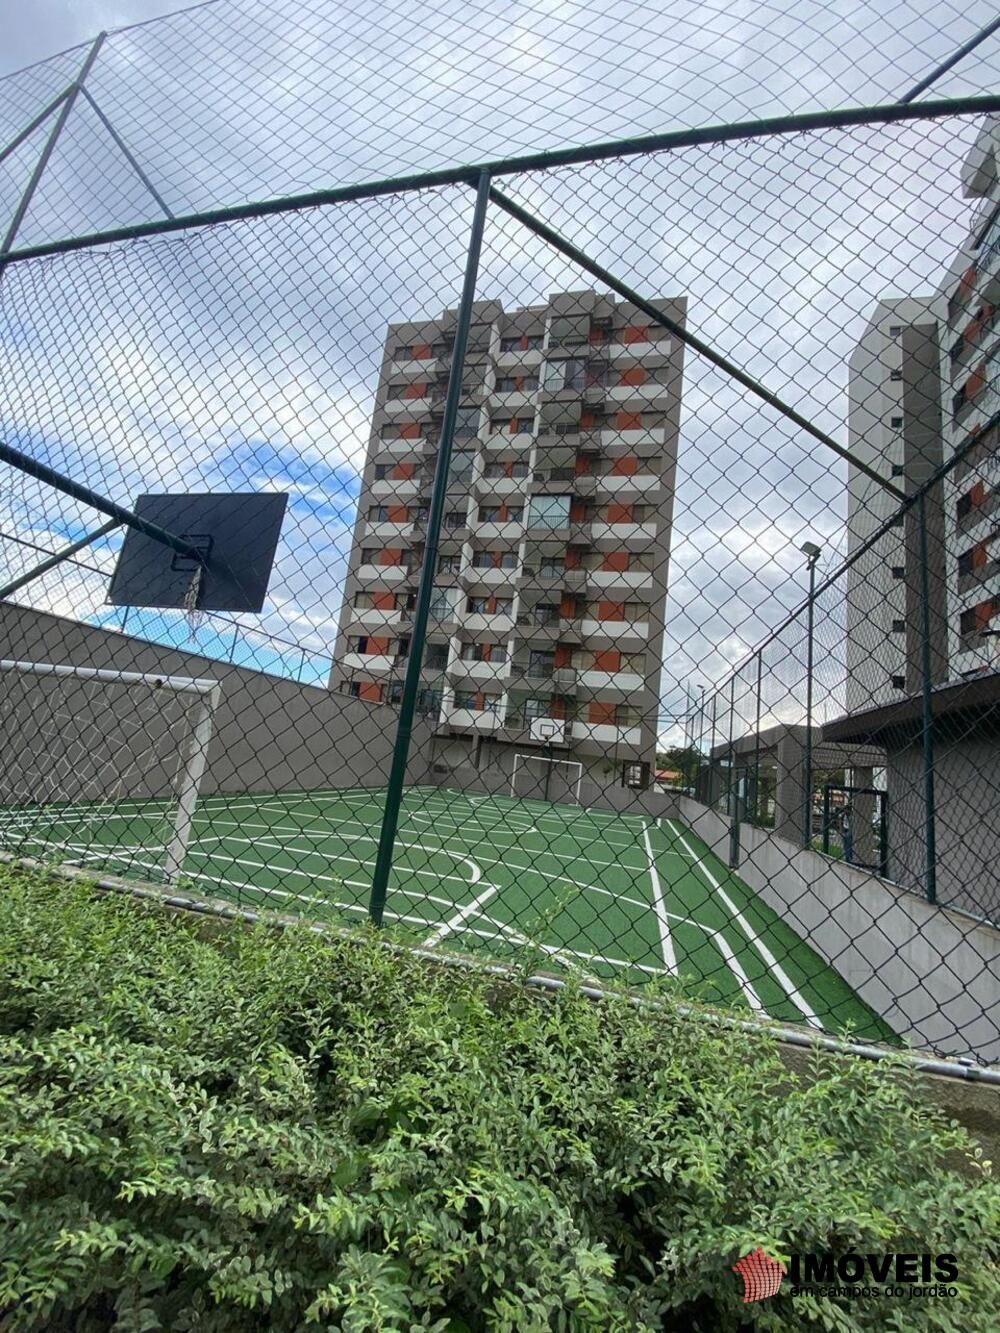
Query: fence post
{"type": "Point", "coordinates": [734, 791]}
{"type": "Point", "coordinates": [755, 803]}
{"type": "Point", "coordinates": [930, 849]}
{"type": "Point", "coordinates": [425, 589]}
{"type": "Point", "coordinates": [807, 774]}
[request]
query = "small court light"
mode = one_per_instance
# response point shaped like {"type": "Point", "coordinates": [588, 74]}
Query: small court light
{"type": "Point", "coordinates": [811, 550]}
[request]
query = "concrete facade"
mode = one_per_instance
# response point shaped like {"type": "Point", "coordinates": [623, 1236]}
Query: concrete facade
{"type": "Point", "coordinates": [270, 733]}
{"type": "Point", "coordinates": [894, 426]}
{"type": "Point", "coordinates": [552, 567]}
{"type": "Point", "coordinates": [971, 291]}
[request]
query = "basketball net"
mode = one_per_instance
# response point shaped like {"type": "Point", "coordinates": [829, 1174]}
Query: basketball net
{"type": "Point", "coordinates": [193, 617]}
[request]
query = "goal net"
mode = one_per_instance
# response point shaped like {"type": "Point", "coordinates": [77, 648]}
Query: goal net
{"type": "Point", "coordinates": [539, 777]}
{"type": "Point", "coordinates": [101, 769]}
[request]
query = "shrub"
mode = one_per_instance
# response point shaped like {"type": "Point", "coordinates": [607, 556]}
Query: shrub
{"type": "Point", "coordinates": [280, 1131]}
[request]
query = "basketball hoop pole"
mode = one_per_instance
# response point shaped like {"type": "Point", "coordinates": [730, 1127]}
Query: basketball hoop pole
{"type": "Point", "coordinates": [88, 497]}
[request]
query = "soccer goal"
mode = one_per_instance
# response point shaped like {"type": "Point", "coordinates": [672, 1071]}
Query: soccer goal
{"type": "Point", "coordinates": [102, 768]}
{"type": "Point", "coordinates": [546, 779]}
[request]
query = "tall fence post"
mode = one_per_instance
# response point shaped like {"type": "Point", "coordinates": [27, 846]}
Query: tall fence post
{"type": "Point", "coordinates": [755, 803]}
{"type": "Point", "coordinates": [930, 848]}
{"type": "Point", "coordinates": [734, 790]}
{"type": "Point", "coordinates": [425, 588]}
{"type": "Point", "coordinates": [807, 775]}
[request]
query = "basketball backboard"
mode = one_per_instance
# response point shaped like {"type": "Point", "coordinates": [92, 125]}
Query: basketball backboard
{"type": "Point", "coordinates": [238, 534]}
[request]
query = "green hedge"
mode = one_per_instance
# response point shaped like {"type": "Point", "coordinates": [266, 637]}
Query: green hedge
{"type": "Point", "coordinates": [276, 1131]}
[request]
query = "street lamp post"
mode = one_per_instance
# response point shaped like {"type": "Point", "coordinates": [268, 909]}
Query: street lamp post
{"type": "Point", "coordinates": [812, 553]}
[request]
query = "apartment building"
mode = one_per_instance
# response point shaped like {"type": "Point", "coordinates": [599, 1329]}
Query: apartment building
{"type": "Point", "coordinates": [895, 427]}
{"type": "Point", "coordinates": [972, 373]}
{"type": "Point", "coordinates": [543, 657]}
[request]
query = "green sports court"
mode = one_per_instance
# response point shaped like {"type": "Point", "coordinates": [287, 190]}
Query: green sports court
{"type": "Point", "coordinates": [611, 896]}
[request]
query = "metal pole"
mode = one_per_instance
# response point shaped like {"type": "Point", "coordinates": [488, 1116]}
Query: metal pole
{"type": "Point", "coordinates": [30, 128]}
{"type": "Point", "coordinates": [468, 175]}
{"type": "Point", "coordinates": [43, 160]}
{"type": "Point", "coordinates": [930, 836]}
{"type": "Point", "coordinates": [946, 65]}
{"type": "Point", "coordinates": [425, 588]}
{"type": "Point", "coordinates": [57, 559]}
{"type": "Point", "coordinates": [678, 331]}
{"type": "Point", "coordinates": [756, 743]}
{"type": "Point", "coordinates": [128, 156]}
{"type": "Point", "coordinates": [88, 497]}
{"type": "Point", "coordinates": [807, 766]}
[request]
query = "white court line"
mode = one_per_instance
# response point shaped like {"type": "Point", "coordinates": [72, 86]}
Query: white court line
{"type": "Point", "coordinates": [446, 927]}
{"type": "Point", "coordinates": [780, 975]}
{"type": "Point", "coordinates": [659, 907]}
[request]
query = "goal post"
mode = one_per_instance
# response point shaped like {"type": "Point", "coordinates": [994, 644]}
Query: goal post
{"type": "Point", "coordinates": [538, 770]}
{"type": "Point", "coordinates": [86, 742]}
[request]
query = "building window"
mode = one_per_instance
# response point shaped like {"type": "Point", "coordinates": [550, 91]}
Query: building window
{"type": "Point", "coordinates": [899, 627]}
{"type": "Point", "coordinates": [898, 682]}
{"type": "Point", "coordinates": [467, 423]}
{"type": "Point", "coordinates": [635, 775]}
{"type": "Point", "coordinates": [460, 466]}
{"type": "Point", "coordinates": [567, 373]}
{"type": "Point", "coordinates": [551, 569]}
{"type": "Point", "coordinates": [540, 664]}
{"type": "Point", "coordinates": [359, 644]}
{"type": "Point", "coordinates": [382, 471]}
{"type": "Point", "coordinates": [897, 469]}
{"type": "Point", "coordinates": [895, 330]}
{"type": "Point", "coordinates": [470, 652]}
{"type": "Point", "coordinates": [449, 564]}
{"type": "Point", "coordinates": [895, 374]}
{"type": "Point", "coordinates": [378, 514]}
{"type": "Point", "coordinates": [898, 572]}
{"type": "Point", "coordinates": [453, 519]}
{"type": "Point", "coordinates": [896, 421]}
{"type": "Point", "coordinates": [436, 656]}
{"type": "Point", "coordinates": [549, 511]}
{"type": "Point", "coordinates": [428, 702]}
{"type": "Point", "coordinates": [466, 699]}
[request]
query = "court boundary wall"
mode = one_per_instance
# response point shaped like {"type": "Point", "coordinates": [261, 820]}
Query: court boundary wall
{"type": "Point", "coordinates": [271, 733]}
{"type": "Point", "coordinates": [932, 972]}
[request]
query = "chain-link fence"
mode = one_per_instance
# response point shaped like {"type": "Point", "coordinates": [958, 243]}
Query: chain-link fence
{"type": "Point", "coordinates": [628, 609]}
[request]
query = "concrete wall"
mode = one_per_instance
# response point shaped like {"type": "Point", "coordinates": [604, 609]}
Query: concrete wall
{"type": "Point", "coordinates": [932, 973]}
{"type": "Point", "coordinates": [271, 734]}
{"type": "Point", "coordinates": [966, 825]}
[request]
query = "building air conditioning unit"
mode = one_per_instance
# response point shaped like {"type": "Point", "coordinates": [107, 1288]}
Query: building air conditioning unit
{"type": "Point", "coordinates": [547, 729]}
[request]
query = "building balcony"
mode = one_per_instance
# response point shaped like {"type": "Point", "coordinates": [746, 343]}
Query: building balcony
{"type": "Point", "coordinates": [631, 536]}
{"type": "Point", "coordinates": [388, 532]}
{"type": "Point", "coordinates": [370, 620]}
{"type": "Point", "coordinates": [626, 579]}
{"type": "Point", "coordinates": [376, 663]}
{"type": "Point", "coordinates": [564, 678]}
{"type": "Point", "coordinates": [476, 670]}
{"type": "Point", "coordinates": [611, 682]}
{"type": "Point", "coordinates": [615, 631]}
{"type": "Point", "coordinates": [606, 735]}
{"type": "Point", "coordinates": [473, 721]}
{"type": "Point", "coordinates": [476, 576]}
{"type": "Point", "coordinates": [403, 489]}
{"type": "Point", "coordinates": [485, 487]}
{"type": "Point", "coordinates": [653, 351]}
{"type": "Point", "coordinates": [574, 580]}
{"type": "Point", "coordinates": [474, 621]}
{"type": "Point", "coordinates": [484, 531]}
{"type": "Point", "coordinates": [382, 573]}
{"type": "Point", "coordinates": [406, 407]}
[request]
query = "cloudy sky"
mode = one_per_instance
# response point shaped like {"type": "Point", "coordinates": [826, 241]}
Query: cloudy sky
{"type": "Point", "coordinates": [246, 356]}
